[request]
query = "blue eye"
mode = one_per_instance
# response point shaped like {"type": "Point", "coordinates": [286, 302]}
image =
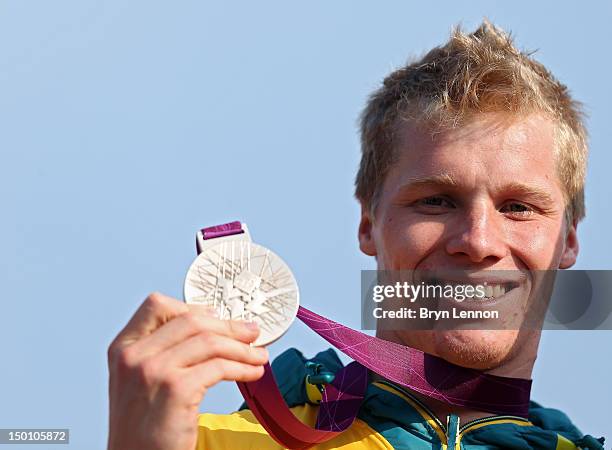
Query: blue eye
{"type": "Point", "coordinates": [517, 209]}
{"type": "Point", "coordinates": [435, 202]}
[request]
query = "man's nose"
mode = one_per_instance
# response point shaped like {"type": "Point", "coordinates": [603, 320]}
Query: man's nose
{"type": "Point", "coordinates": [478, 234]}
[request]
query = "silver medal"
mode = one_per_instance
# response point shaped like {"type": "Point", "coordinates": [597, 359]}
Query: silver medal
{"type": "Point", "coordinates": [241, 280]}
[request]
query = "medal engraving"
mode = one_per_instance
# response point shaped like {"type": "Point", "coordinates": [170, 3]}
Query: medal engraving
{"type": "Point", "coordinates": [241, 280]}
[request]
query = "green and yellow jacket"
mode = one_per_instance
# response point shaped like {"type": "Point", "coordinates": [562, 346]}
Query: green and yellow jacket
{"type": "Point", "coordinates": [390, 418]}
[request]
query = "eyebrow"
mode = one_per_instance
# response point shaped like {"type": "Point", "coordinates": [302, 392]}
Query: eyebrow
{"type": "Point", "coordinates": [532, 192]}
{"type": "Point", "coordinates": [445, 180]}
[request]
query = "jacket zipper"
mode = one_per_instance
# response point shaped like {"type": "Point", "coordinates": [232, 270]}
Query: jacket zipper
{"type": "Point", "coordinates": [458, 432]}
{"type": "Point", "coordinates": [485, 419]}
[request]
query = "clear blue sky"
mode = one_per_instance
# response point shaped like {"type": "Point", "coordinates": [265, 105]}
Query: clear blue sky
{"type": "Point", "coordinates": [125, 126]}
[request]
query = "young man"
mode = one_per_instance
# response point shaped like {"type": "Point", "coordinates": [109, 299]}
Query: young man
{"type": "Point", "coordinates": [474, 158]}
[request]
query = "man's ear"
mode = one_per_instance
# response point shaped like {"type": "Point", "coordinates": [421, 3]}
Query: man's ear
{"type": "Point", "coordinates": [366, 241]}
{"type": "Point", "coordinates": [570, 252]}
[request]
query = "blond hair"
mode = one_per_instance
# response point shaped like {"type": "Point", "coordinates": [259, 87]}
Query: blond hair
{"type": "Point", "coordinates": [472, 74]}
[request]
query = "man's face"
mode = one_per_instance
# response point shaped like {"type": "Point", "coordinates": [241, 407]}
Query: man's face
{"type": "Point", "coordinates": [483, 197]}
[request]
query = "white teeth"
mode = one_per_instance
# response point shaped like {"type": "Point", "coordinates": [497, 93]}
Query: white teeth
{"type": "Point", "coordinates": [494, 291]}
{"type": "Point", "coordinates": [481, 291]}
{"type": "Point", "coordinates": [489, 290]}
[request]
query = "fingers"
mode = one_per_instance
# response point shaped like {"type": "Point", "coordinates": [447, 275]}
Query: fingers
{"type": "Point", "coordinates": [162, 363]}
{"type": "Point", "coordinates": [156, 310]}
{"type": "Point", "coordinates": [167, 338]}
{"type": "Point", "coordinates": [209, 373]}
{"type": "Point", "coordinates": [208, 346]}
{"type": "Point", "coordinates": [190, 324]}
{"type": "Point", "coordinates": [187, 386]}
